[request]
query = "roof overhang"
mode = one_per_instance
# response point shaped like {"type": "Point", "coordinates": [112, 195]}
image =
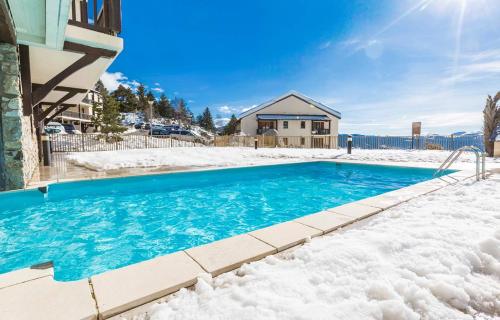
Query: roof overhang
{"type": "Point", "coordinates": [40, 22]}
{"type": "Point", "coordinates": [297, 95]}
{"type": "Point", "coordinates": [292, 117]}
{"type": "Point", "coordinates": [7, 29]}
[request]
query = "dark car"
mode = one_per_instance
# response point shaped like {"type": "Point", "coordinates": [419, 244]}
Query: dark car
{"type": "Point", "coordinates": [147, 126]}
{"type": "Point", "coordinates": [159, 132]}
{"type": "Point", "coordinates": [70, 129]}
{"type": "Point", "coordinates": [182, 132]}
{"type": "Point", "coordinates": [138, 125]}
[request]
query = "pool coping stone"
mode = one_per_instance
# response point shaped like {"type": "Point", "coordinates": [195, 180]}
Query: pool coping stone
{"type": "Point", "coordinates": [228, 254]}
{"type": "Point", "coordinates": [286, 235]}
{"type": "Point", "coordinates": [45, 298]}
{"type": "Point", "coordinates": [122, 289]}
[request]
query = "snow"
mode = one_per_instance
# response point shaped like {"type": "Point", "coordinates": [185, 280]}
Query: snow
{"type": "Point", "coordinates": [230, 156]}
{"type": "Point", "coordinates": [435, 257]}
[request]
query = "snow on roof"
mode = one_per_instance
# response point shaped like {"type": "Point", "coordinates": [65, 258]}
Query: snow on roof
{"type": "Point", "coordinates": [289, 94]}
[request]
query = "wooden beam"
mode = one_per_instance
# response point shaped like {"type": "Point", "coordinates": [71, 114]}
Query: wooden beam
{"type": "Point", "coordinates": [41, 93]}
{"type": "Point", "coordinates": [61, 88]}
{"type": "Point", "coordinates": [91, 54]}
{"type": "Point", "coordinates": [7, 30]}
{"type": "Point", "coordinates": [44, 114]}
{"type": "Point", "coordinates": [24, 59]}
{"type": "Point", "coordinates": [81, 48]}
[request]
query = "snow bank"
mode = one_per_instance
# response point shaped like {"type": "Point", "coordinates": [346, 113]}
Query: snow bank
{"type": "Point", "coordinates": [203, 156]}
{"type": "Point", "coordinates": [436, 257]}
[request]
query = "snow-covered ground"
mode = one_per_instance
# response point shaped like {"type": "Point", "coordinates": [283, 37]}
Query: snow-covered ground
{"type": "Point", "coordinates": [435, 257]}
{"type": "Point", "coordinates": [230, 156]}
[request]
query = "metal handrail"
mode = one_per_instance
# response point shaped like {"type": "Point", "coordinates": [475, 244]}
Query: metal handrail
{"type": "Point", "coordinates": [456, 154]}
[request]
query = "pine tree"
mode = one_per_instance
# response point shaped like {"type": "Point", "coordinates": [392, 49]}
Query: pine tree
{"type": "Point", "coordinates": [230, 127]}
{"type": "Point", "coordinates": [164, 108]}
{"type": "Point", "coordinates": [181, 111]}
{"type": "Point", "coordinates": [99, 87]}
{"type": "Point", "coordinates": [142, 103]}
{"type": "Point", "coordinates": [107, 118]}
{"type": "Point", "coordinates": [127, 101]}
{"type": "Point", "coordinates": [207, 122]}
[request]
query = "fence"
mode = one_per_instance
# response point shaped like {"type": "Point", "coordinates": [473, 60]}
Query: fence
{"type": "Point", "coordinates": [319, 142]}
{"type": "Point", "coordinates": [361, 142]}
{"type": "Point", "coordinates": [407, 142]}
{"type": "Point", "coordinates": [97, 142]}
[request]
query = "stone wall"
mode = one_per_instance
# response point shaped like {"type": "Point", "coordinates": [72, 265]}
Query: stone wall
{"type": "Point", "coordinates": [18, 146]}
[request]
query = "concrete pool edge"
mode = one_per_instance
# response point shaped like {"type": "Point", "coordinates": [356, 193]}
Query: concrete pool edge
{"type": "Point", "coordinates": [117, 291]}
{"type": "Point", "coordinates": [103, 175]}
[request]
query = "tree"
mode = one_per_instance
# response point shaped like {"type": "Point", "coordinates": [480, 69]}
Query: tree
{"type": "Point", "coordinates": [165, 108]}
{"type": "Point", "coordinates": [142, 101]}
{"type": "Point", "coordinates": [206, 121]}
{"type": "Point", "coordinates": [127, 101]}
{"type": "Point", "coordinates": [491, 114]}
{"type": "Point", "coordinates": [107, 118]}
{"type": "Point", "coordinates": [230, 127]}
{"type": "Point", "coordinates": [181, 111]}
{"type": "Point", "coordinates": [99, 87]}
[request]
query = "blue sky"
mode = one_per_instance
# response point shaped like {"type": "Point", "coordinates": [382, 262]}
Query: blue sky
{"type": "Point", "coordinates": [382, 63]}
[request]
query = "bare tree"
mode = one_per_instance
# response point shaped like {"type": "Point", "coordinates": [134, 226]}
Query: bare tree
{"type": "Point", "coordinates": [491, 114]}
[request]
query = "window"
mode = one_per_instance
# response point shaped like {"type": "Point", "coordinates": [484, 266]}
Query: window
{"type": "Point", "coordinates": [285, 124]}
{"type": "Point", "coordinates": [302, 124]}
{"type": "Point", "coordinates": [302, 140]}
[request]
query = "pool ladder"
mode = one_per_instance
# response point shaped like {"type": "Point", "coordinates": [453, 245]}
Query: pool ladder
{"type": "Point", "coordinates": [480, 161]}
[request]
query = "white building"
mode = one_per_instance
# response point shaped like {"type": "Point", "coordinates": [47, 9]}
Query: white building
{"type": "Point", "coordinates": [295, 120]}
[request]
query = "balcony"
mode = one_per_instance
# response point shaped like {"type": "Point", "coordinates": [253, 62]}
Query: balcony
{"type": "Point", "coordinates": [71, 115]}
{"type": "Point", "coordinates": [105, 18]}
{"type": "Point", "coordinates": [320, 131]}
{"type": "Point", "coordinates": [263, 130]}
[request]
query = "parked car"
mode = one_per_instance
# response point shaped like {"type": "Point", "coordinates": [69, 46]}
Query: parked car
{"type": "Point", "coordinates": [138, 125]}
{"type": "Point", "coordinates": [146, 126]}
{"type": "Point", "coordinates": [70, 129]}
{"type": "Point", "coordinates": [184, 135]}
{"type": "Point", "coordinates": [159, 132]}
{"type": "Point", "coordinates": [55, 128]}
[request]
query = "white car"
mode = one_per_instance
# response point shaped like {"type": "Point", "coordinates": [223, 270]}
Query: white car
{"type": "Point", "coordinates": [55, 128]}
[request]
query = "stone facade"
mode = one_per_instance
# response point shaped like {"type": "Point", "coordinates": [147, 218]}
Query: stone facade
{"type": "Point", "coordinates": [18, 144]}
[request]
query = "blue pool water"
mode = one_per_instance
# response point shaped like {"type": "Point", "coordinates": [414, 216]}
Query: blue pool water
{"type": "Point", "coordinates": [90, 227]}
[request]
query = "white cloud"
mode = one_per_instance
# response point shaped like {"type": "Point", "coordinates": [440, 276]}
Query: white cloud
{"type": "Point", "coordinates": [236, 110]}
{"type": "Point", "coordinates": [158, 89]}
{"type": "Point", "coordinates": [325, 45]}
{"type": "Point", "coordinates": [112, 80]}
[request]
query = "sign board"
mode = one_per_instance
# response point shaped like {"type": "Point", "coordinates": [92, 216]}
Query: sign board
{"type": "Point", "coordinates": [416, 128]}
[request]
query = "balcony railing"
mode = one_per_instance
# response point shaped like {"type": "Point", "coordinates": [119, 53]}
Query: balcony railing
{"type": "Point", "coordinates": [76, 115]}
{"type": "Point", "coordinates": [263, 130]}
{"type": "Point", "coordinates": [320, 131]}
{"type": "Point", "coordinates": [98, 15]}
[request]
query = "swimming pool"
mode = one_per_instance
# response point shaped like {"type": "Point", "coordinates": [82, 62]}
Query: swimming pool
{"type": "Point", "coordinates": [89, 227]}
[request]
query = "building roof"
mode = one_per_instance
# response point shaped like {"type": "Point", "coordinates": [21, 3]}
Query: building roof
{"type": "Point", "coordinates": [298, 96]}
{"type": "Point", "coordinates": [291, 117]}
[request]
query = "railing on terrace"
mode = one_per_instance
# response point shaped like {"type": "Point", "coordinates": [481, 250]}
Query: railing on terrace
{"type": "Point", "coordinates": [360, 142]}
{"type": "Point", "coordinates": [98, 142]}
{"type": "Point", "coordinates": [326, 142]}
{"type": "Point", "coordinates": [407, 142]}
{"type": "Point", "coordinates": [76, 115]}
{"type": "Point", "coordinates": [98, 15]}
{"type": "Point", "coordinates": [320, 131]}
